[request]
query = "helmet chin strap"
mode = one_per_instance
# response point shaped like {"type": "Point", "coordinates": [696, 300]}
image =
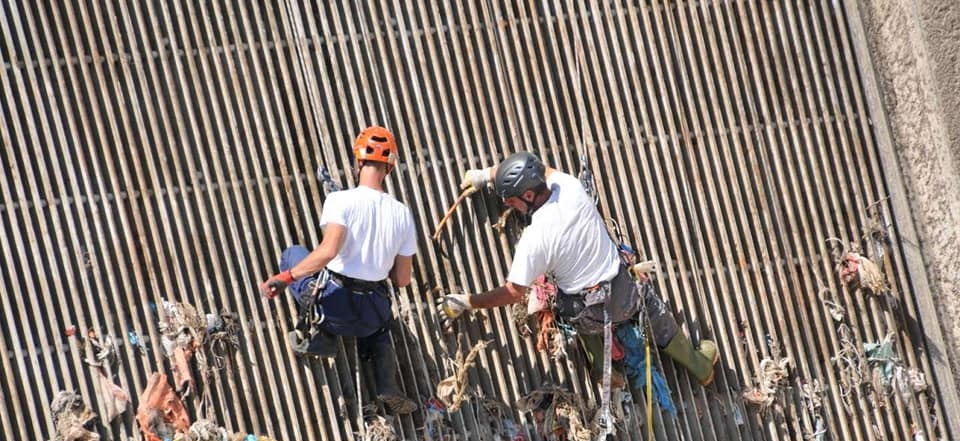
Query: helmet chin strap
{"type": "Point", "coordinates": [533, 206]}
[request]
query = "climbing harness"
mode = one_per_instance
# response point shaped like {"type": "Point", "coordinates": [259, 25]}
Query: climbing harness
{"type": "Point", "coordinates": [310, 316]}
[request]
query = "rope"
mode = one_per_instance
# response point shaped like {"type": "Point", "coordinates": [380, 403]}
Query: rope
{"type": "Point", "coordinates": [605, 423]}
{"type": "Point", "coordinates": [452, 390]}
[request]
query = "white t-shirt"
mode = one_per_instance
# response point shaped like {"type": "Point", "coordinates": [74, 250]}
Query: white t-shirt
{"type": "Point", "coordinates": [566, 237]}
{"type": "Point", "coordinates": [379, 228]}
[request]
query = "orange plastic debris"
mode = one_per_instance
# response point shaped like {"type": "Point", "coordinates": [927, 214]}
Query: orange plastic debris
{"type": "Point", "coordinates": [161, 412]}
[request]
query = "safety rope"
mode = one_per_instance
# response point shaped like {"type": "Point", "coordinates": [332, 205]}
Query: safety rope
{"type": "Point", "coordinates": [604, 424]}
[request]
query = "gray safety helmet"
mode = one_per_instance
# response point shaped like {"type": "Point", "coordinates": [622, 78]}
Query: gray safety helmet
{"type": "Point", "coordinates": [520, 172]}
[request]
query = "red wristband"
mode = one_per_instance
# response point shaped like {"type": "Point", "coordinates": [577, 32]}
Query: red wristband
{"type": "Point", "coordinates": [286, 277]}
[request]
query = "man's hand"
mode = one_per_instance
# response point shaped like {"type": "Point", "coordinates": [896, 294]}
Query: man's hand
{"type": "Point", "coordinates": [276, 283]}
{"type": "Point", "coordinates": [476, 179]}
{"type": "Point", "coordinates": [452, 306]}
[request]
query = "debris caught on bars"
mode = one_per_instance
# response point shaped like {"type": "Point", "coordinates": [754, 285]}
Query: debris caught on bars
{"type": "Point", "coordinates": [549, 337]}
{"type": "Point", "coordinates": [811, 395]}
{"type": "Point", "coordinates": [836, 310]}
{"type": "Point", "coordinates": [452, 390]}
{"type": "Point", "coordinates": [182, 333]}
{"type": "Point", "coordinates": [889, 375]}
{"type": "Point", "coordinates": [72, 419]}
{"type": "Point", "coordinates": [770, 378]}
{"type": "Point", "coordinates": [115, 400]}
{"type": "Point", "coordinates": [849, 362]}
{"type": "Point", "coordinates": [857, 271]}
{"type": "Point", "coordinates": [876, 230]}
{"type": "Point", "coordinates": [494, 424]}
{"type": "Point", "coordinates": [161, 414]}
{"type": "Point", "coordinates": [434, 413]}
{"type": "Point", "coordinates": [223, 340]}
{"type": "Point", "coordinates": [379, 428]}
{"type": "Point", "coordinates": [518, 314]}
{"type": "Point", "coordinates": [203, 430]}
{"type": "Point", "coordinates": [209, 339]}
{"type": "Point", "coordinates": [555, 414]}
{"type": "Point", "coordinates": [882, 358]}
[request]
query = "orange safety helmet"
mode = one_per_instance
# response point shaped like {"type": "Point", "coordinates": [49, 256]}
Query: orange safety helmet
{"type": "Point", "coordinates": [377, 144]}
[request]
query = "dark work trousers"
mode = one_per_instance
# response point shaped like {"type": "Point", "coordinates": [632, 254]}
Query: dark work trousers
{"type": "Point", "coordinates": [372, 329]}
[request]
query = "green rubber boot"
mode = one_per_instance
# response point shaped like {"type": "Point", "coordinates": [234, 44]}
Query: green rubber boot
{"type": "Point", "coordinates": [699, 362]}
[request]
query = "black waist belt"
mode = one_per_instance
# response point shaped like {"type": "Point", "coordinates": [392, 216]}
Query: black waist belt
{"type": "Point", "coordinates": [357, 284]}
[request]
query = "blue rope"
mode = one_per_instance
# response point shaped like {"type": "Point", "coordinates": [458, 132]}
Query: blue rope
{"type": "Point", "coordinates": [636, 366]}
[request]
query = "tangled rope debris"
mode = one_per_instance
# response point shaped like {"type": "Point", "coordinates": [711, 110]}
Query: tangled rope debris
{"type": "Point", "coordinates": [849, 362]}
{"type": "Point", "coordinates": [769, 380]}
{"type": "Point", "coordinates": [555, 414]}
{"type": "Point", "coordinates": [452, 390]}
{"type": "Point", "coordinates": [518, 313]}
{"type": "Point", "coordinates": [72, 418]}
{"type": "Point", "coordinates": [223, 338]}
{"type": "Point", "coordinates": [203, 430]}
{"type": "Point", "coordinates": [379, 429]}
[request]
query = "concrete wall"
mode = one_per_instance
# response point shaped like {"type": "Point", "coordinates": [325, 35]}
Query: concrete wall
{"type": "Point", "coordinates": [915, 45]}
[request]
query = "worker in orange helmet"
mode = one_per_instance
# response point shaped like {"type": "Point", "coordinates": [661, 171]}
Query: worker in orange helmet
{"type": "Point", "coordinates": [568, 239]}
{"type": "Point", "coordinates": [343, 286]}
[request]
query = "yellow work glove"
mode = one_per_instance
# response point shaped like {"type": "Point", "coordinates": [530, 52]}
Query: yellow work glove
{"type": "Point", "coordinates": [476, 179]}
{"type": "Point", "coordinates": [643, 270]}
{"type": "Point", "coordinates": [451, 306]}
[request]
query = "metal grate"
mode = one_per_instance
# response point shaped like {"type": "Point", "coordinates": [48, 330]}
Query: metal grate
{"type": "Point", "coordinates": [169, 150]}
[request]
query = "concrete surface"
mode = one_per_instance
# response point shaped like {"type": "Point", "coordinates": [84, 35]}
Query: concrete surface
{"type": "Point", "coordinates": [915, 45]}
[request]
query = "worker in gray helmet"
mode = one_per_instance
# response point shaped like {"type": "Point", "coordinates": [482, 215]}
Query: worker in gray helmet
{"type": "Point", "coordinates": [568, 239]}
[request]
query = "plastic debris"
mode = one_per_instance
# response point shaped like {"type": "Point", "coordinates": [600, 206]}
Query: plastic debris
{"type": "Point", "coordinates": [542, 294]}
{"type": "Point", "coordinates": [553, 411]}
{"type": "Point", "coordinates": [452, 390]}
{"type": "Point", "coordinates": [182, 334]}
{"type": "Point", "coordinates": [72, 418]}
{"type": "Point", "coordinates": [881, 358]}
{"type": "Point", "coordinates": [161, 414]}
{"type": "Point", "coordinates": [115, 400]}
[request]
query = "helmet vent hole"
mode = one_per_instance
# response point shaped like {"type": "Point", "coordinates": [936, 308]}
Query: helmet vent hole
{"type": "Point", "coordinates": [379, 138]}
{"type": "Point", "coordinates": [386, 153]}
{"type": "Point", "coordinates": [369, 150]}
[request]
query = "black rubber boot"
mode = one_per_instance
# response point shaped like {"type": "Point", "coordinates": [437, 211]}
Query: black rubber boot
{"type": "Point", "coordinates": [385, 374]}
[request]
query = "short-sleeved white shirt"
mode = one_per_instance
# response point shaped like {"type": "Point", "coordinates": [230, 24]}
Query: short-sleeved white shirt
{"type": "Point", "coordinates": [379, 228]}
{"type": "Point", "coordinates": [566, 237]}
